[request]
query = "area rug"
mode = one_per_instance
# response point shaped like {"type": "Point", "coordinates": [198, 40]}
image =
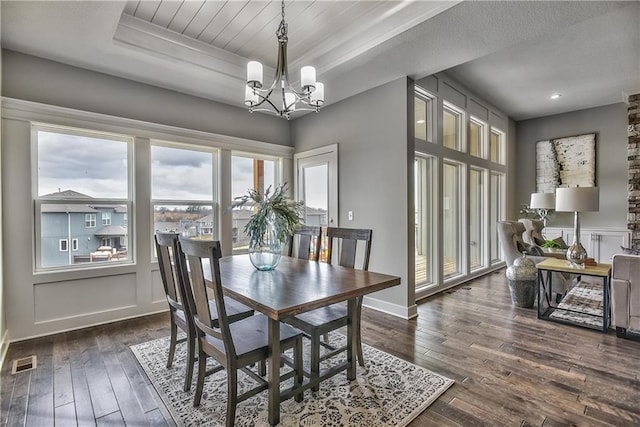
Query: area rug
{"type": "Point", "coordinates": [585, 304]}
{"type": "Point", "coordinates": [388, 391]}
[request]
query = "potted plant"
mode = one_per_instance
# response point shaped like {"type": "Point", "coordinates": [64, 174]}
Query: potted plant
{"type": "Point", "coordinates": [551, 245]}
{"type": "Point", "coordinates": [274, 219]}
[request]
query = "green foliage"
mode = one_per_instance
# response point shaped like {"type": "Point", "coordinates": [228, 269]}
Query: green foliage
{"type": "Point", "coordinates": [551, 244]}
{"type": "Point", "coordinates": [286, 214]}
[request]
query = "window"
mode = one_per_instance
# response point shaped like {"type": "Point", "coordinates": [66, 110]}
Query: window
{"type": "Point", "coordinates": [425, 218]}
{"type": "Point", "coordinates": [249, 172]}
{"type": "Point", "coordinates": [106, 218]}
{"type": "Point", "coordinates": [63, 245]}
{"type": "Point", "coordinates": [477, 137]}
{"type": "Point", "coordinates": [452, 120]}
{"type": "Point", "coordinates": [477, 217]}
{"type": "Point", "coordinates": [498, 205]}
{"type": "Point", "coordinates": [90, 220]}
{"type": "Point", "coordinates": [105, 241]}
{"type": "Point", "coordinates": [185, 205]}
{"type": "Point", "coordinates": [423, 112]}
{"type": "Point", "coordinates": [496, 146]}
{"type": "Point", "coordinates": [452, 211]}
{"type": "Point", "coordinates": [69, 200]}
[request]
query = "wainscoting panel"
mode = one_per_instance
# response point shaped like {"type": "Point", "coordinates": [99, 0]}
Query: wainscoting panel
{"type": "Point", "coordinates": [157, 289]}
{"type": "Point", "coordinates": [63, 300]}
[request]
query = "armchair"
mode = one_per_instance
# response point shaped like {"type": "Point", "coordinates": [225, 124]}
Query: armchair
{"type": "Point", "coordinates": [533, 231]}
{"type": "Point", "coordinates": [625, 293]}
{"type": "Point", "coordinates": [510, 235]}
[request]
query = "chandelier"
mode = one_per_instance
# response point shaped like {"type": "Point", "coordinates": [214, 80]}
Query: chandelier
{"type": "Point", "coordinates": [281, 96]}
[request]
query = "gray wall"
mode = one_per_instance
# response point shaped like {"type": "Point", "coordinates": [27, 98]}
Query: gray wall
{"type": "Point", "coordinates": [44, 303]}
{"type": "Point", "coordinates": [610, 125]}
{"type": "Point", "coordinates": [39, 80]}
{"type": "Point", "coordinates": [3, 324]}
{"type": "Point", "coordinates": [371, 132]}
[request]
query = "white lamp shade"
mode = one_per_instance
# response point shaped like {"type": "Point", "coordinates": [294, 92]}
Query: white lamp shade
{"type": "Point", "coordinates": [578, 199]}
{"type": "Point", "coordinates": [250, 97]}
{"type": "Point", "coordinates": [254, 73]}
{"type": "Point", "coordinates": [317, 96]}
{"type": "Point", "coordinates": [289, 101]}
{"type": "Point", "coordinates": [307, 77]}
{"type": "Point", "coordinates": [543, 201]}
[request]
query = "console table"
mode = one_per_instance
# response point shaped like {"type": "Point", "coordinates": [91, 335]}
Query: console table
{"type": "Point", "coordinates": [569, 309]}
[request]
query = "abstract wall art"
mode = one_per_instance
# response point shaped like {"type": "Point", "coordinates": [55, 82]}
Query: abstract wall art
{"type": "Point", "coordinates": [566, 162]}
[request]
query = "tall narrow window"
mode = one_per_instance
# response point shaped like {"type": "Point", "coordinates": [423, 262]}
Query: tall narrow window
{"type": "Point", "coordinates": [498, 205]}
{"type": "Point", "coordinates": [423, 112]}
{"type": "Point", "coordinates": [452, 120]}
{"type": "Point", "coordinates": [452, 218]}
{"type": "Point", "coordinates": [249, 172]}
{"type": "Point", "coordinates": [106, 218]}
{"type": "Point", "coordinates": [70, 201]}
{"type": "Point", "coordinates": [477, 222]}
{"type": "Point", "coordinates": [182, 190]}
{"type": "Point", "coordinates": [476, 137]}
{"type": "Point", "coordinates": [425, 238]}
{"type": "Point", "coordinates": [497, 146]}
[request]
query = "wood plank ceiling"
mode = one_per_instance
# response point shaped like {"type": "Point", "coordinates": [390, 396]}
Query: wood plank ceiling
{"type": "Point", "coordinates": [247, 28]}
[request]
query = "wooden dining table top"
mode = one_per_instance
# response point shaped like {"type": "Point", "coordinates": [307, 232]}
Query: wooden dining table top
{"type": "Point", "coordinates": [296, 285]}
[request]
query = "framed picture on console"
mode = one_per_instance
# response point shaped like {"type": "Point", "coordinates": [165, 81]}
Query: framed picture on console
{"type": "Point", "coordinates": [566, 162]}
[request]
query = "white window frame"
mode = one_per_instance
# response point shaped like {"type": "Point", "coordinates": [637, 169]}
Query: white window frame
{"type": "Point", "coordinates": [90, 220]}
{"type": "Point", "coordinates": [430, 101]}
{"type": "Point", "coordinates": [40, 201]}
{"type": "Point", "coordinates": [106, 218]}
{"type": "Point", "coordinates": [455, 110]}
{"type": "Point", "coordinates": [277, 178]}
{"type": "Point", "coordinates": [483, 143]}
{"type": "Point", "coordinates": [63, 245]}
{"type": "Point", "coordinates": [74, 245]}
{"type": "Point", "coordinates": [502, 143]}
{"type": "Point", "coordinates": [213, 203]}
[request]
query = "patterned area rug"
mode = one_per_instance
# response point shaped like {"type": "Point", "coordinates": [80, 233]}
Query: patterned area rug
{"type": "Point", "coordinates": [387, 392]}
{"type": "Point", "coordinates": [585, 298]}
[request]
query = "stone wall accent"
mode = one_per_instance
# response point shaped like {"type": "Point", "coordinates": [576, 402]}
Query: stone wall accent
{"type": "Point", "coordinates": [633, 133]}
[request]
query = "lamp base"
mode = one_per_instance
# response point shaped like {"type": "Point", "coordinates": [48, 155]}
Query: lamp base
{"type": "Point", "coordinates": [576, 252]}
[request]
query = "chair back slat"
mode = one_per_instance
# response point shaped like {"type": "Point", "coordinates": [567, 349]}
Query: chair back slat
{"type": "Point", "coordinates": [195, 252]}
{"type": "Point", "coordinates": [168, 267]}
{"type": "Point", "coordinates": [348, 239]}
{"type": "Point", "coordinates": [308, 242]}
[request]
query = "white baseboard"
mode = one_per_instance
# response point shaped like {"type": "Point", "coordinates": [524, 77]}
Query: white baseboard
{"type": "Point", "coordinates": [390, 308]}
{"type": "Point", "coordinates": [4, 347]}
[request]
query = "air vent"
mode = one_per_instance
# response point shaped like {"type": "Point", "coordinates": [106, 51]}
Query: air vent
{"type": "Point", "coordinates": [24, 364]}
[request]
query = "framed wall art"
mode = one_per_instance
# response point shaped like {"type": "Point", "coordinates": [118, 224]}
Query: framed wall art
{"type": "Point", "coordinates": [566, 162]}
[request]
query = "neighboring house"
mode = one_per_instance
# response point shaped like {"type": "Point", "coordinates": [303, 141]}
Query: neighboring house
{"type": "Point", "coordinates": [315, 217]}
{"type": "Point", "coordinates": [71, 233]}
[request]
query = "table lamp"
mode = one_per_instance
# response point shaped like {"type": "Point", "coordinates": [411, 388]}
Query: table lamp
{"type": "Point", "coordinates": [542, 203]}
{"type": "Point", "coordinates": [577, 199]}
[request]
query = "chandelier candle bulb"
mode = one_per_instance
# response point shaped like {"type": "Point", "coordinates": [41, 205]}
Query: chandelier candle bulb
{"type": "Point", "coordinates": [254, 74]}
{"type": "Point", "coordinates": [290, 101]}
{"type": "Point", "coordinates": [317, 96]}
{"type": "Point", "coordinates": [308, 78]}
{"type": "Point", "coordinates": [250, 98]}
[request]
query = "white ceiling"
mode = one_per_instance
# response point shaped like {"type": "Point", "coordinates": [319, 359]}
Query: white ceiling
{"type": "Point", "coordinates": [513, 54]}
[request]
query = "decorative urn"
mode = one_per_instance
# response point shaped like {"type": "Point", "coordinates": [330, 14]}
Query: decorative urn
{"type": "Point", "coordinates": [522, 281]}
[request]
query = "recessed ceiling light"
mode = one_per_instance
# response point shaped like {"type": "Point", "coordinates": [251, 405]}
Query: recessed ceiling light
{"type": "Point", "coordinates": [556, 95]}
{"type": "Point", "coordinates": [420, 121]}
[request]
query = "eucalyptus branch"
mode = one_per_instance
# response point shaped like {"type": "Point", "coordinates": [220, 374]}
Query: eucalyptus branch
{"type": "Point", "coordinates": [285, 214]}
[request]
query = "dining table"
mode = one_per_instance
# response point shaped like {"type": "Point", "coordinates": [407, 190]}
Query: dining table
{"type": "Point", "coordinates": [294, 287]}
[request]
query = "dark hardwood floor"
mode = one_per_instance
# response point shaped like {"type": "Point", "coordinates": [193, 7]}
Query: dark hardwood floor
{"type": "Point", "coordinates": [510, 368]}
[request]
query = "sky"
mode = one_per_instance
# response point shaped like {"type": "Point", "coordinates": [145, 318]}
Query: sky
{"type": "Point", "coordinates": [98, 168]}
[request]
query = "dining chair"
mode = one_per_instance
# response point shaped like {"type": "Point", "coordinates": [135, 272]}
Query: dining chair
{"type": "Point", "coordinates": [317, 323]}
{"type": "Point", "coordinates": [305, 242]}
{"type": "Point", "coordinates": [180, 313]}
{"type": "Point", "coordinates": [235, 346]}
